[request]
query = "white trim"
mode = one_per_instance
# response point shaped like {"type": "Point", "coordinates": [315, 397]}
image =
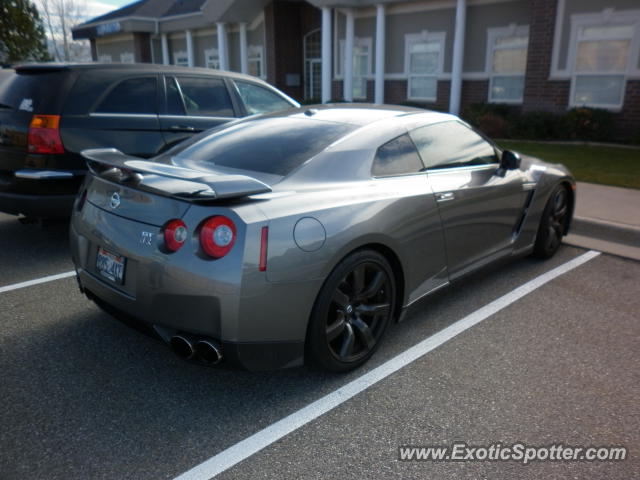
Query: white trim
{"type": "Point", "coordinates": [557, 41]}
{"type": "Point", "coordinates": [347, 56]}
{"type": "Point", "coordinates": [366, 42]}
{"type": "Point", "coordinates": [416, 7]}
{"type": "Point", "coordinates": [244, 62]}
{"type": "Point", "coordinates": [308, 87]}
{"type": "Point", "coordinates": [223, 49]}
{"type": "Point", "coordinates": [327, 20]}
{"type": "Point", "coordinates": [236, 453]}
{"type": "Point", "coordinates": [189, 39]}
{"type": "Point", "coordinates": [423, 37]}
{"type": "Point", "coordinates": [378, 87]}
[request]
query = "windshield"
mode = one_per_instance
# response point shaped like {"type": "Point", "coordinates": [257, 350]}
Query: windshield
{"type": "Point", "coordinates": [270, 145]}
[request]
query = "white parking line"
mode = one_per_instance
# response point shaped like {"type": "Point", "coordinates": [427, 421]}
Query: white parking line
{"type": "Point", "coordinates": [256, 442]}
{"type": "Point", "coordinates": [37, 281]}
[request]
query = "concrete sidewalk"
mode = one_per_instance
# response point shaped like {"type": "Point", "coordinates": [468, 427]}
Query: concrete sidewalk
{"type": "Point", "coordinates": [607, 219]}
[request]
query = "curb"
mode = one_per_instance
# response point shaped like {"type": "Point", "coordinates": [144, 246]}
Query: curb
{"type": "Point", "coordinates": [610, 231]}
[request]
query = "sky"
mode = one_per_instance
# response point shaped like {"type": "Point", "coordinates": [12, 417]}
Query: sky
{"type": "Point", "coordinates": [100, 7]}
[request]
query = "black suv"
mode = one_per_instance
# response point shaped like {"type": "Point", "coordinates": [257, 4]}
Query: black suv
{"type": "Point", "coordinates": [49, 113]}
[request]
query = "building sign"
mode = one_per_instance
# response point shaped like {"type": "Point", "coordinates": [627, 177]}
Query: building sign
{"type": "Point", "coordinates": [107, 28]}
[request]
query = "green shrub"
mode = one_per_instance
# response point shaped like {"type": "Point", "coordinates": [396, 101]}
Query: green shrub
{"type": "Point", "coordinates": [537, 126]}
{"type": "Point", "coordinates": [588, 124]}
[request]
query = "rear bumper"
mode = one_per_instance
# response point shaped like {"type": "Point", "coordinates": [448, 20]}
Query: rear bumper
{"type": "Point", "coordinates": [36, 205]}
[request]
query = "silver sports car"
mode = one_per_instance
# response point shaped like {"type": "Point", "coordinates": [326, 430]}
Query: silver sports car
{"type": "Point", "coordinates": [298, 236]}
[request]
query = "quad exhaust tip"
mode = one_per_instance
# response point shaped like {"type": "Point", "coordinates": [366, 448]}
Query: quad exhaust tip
{"type": "Point", "coordinates": [187, 347]}
{"type": "Point", "coordinates": [182, 346]}
{"type": "Point", "coordinates": [208, 352]}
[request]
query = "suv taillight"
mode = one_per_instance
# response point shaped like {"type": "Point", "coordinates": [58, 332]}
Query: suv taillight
{"type": "Point", "coordinates": [44, 135]}
{"type": "Point", "coordinates": [217, 236]}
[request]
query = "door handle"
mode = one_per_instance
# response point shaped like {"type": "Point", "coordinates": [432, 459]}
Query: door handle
{"type": "Point", "coordinates": [182, 128]}
{"type": "Point", "coordinates": [444, 197]}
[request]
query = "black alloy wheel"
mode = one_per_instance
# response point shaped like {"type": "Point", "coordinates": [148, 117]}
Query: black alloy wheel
{"type": "Point", "coordinates": [552, 224]}
{"type": "Point", "coordinates": [352, 311]}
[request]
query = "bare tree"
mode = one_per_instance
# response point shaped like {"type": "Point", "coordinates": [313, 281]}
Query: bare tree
{"type": "Point", "coordinates": [60, 17]}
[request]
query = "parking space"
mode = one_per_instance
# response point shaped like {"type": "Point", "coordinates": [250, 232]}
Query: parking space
{"type": "Point", "coordinates": [84, 396]}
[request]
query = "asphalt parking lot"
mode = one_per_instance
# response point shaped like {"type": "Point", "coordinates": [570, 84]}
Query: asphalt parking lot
{"type": "Point", "coordinates": [83, 396]}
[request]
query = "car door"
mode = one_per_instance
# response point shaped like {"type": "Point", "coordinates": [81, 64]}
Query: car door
{"type": "Point", "coordinates": [192, 104]}
{"type": "Point", "coordinates": [480, 204]}
{"type": "Point", "coordinates": [413, 217]}
{"type": "Point", "coordinates": [125, 117]}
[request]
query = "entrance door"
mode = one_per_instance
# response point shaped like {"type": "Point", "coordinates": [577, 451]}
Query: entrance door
{"type": "Point", "coordinates": [312, 66]}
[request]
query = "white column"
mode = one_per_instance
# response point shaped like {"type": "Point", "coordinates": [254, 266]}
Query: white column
{"type": "Point", "coordinates": [244, 57]}
{"type": "Point", "coordinates": [347, 68]}
{"type": "Point", "coordinates": [326, 54]}
{"type": "Point", "coordinates": [380, 43]}
{"type": "Point", "coordinates": [223, 51]}
{"type": "Point", "coordinates": [458, 57]}
{"type": "Point", "coordinates": [165, 50]}
{"type": "Point", "coordinates": [189, 48]}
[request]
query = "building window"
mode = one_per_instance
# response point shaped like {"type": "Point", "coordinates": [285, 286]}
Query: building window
{"type": "Point", "coordinates": [602, 54]}
{"type": "Point", "coordinates": [312, 65]}
{"type": "Point", "coordinates": [255, 61]}
{"type": "Point", "coordinates": [507, 63]}
{"type": "Point", "coordinates": [361, 65]}
{"type": "Point", "coordinates": [181, 59]}
{"type": "Point", "coordinates": [423, 64]}
{"type": "Point", "coordinates": [105, 58]}
{"type": "Point", "coordinates": [212, 59]}
{"type": "Point", "coordinates": [127, 57]}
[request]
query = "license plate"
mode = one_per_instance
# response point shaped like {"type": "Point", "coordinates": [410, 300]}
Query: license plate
{"type": "Point", "coordinates": [110, 265]}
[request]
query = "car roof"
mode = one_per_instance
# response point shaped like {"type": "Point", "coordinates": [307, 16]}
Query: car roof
{"type": "Point", "coordinates": [361, 114]}
{"type": "Point", "coordinates": [139, 67]}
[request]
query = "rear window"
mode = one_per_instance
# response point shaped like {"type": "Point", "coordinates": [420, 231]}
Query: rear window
{"type": "Point", "coordinates": [29, 92]}
{"type": "Point", "coordinates": [271, 145]}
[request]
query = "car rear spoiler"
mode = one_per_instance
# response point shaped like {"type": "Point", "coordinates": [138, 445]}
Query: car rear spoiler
{"type": "Point", "coordinates": [175, 181]}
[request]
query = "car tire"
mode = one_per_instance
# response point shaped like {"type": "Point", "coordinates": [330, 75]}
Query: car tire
{"type": "Point", "coordinates": [552, 224]}
{"type": "Point", "coordinates": [351, 312]}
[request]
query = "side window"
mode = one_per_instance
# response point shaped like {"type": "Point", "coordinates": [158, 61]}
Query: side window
{"type": "Point", "coordinates": [205, 96]}
{"type": "Point", "coordinates": [452, 144]}
{"type": "Point", "coordinates": [260, 100]}
{"type": "Point", "coordinates": [397, 157]}
{"type": "Point", "coordinates": [135, 95]}
{"type": "Point", "coordinates": [174, 99]}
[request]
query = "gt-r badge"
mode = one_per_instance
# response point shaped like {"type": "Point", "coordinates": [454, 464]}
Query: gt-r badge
{"type": "Point", "coordinates": [146, 238]}
{"type": "Point", "coordinates": [114, 202]}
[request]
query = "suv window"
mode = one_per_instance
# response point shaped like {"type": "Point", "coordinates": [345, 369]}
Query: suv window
{"type": "Point", "coordinates": [174, 99]}
{"type": "Point", "coordinates": [452, 144]}
{"type": "Point", "coordinates": [29, 92]}
{"type": "Point", "coordinates": [259, 99]}
{"type": "Point", "coordinates": [205, 96]}
{"type": "Point", "coordinates": [134, 95]}
{"type": "Point", "coordinates": [397, 157]}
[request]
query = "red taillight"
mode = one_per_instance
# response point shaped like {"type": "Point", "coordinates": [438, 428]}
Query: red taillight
{"type": "Point", "coordinates": [44, 135]}
{"type": "Point", "coordinates": [217, 236]}
{"type": "Point", "coordinates": [175, 234]}
{"type": "Point", "coordinates": [264, 239]}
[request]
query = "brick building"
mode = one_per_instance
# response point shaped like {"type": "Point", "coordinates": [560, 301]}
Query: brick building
{"type": "Point", "coordinates": [539, 54]}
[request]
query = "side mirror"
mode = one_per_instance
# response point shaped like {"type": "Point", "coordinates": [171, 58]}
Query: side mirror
{"type": "Point", "coordinates": [510, 160]}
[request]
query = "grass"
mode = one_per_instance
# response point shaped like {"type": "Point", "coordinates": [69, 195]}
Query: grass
{"type": "Point", "coordinates": [606, 165]}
